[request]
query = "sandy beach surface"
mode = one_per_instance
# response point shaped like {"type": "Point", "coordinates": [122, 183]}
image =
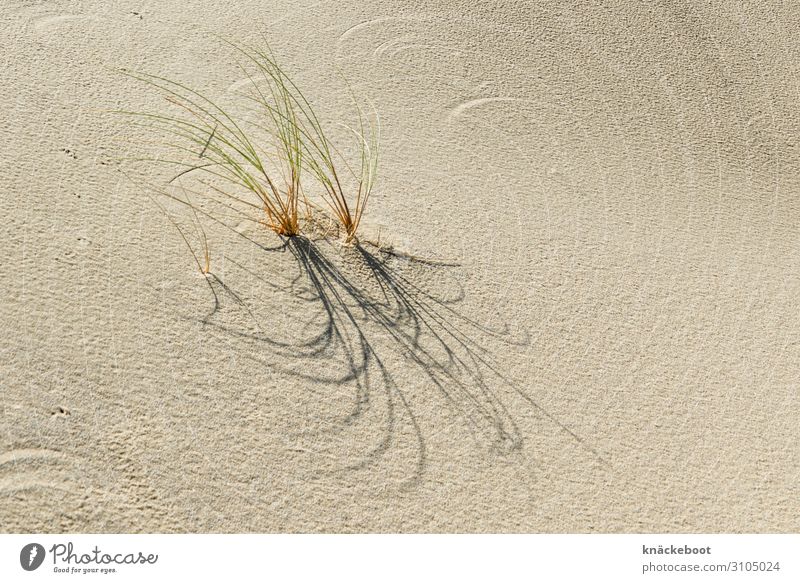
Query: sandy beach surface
{"type": "Point", "coordinates": [590, 321]}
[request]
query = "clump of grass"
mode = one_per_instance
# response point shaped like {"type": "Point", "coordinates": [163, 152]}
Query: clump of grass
{"type": "Point", "coordinates": [321, 157]}
{"type": "Point", "coordinates": [228, 152]}
{"type": "Point", "coordinates": [273, 170]}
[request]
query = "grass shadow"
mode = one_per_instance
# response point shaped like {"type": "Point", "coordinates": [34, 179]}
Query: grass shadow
{"type": "Point", "coordinates": [362, 315]}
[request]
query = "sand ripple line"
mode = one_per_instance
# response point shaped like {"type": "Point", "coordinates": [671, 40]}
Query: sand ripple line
{"type": "Point", "coordinates": [50, 22]}
{"type": "Point", "coordinates": [17, 485]}
{"type": "Point", "coordinates": [16, 456]}
{"type": "Point", "coordinates": [357, 28]}
{"type": "Point", "coordinates": [30, 476]}
{"type": "Point", "coordinates": [461, 109]}
{"type": "Point", "coordinates": [237, 85]}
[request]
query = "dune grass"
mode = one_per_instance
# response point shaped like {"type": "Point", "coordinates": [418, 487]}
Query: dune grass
{"type": "Point", "coordinates": [274, 155]}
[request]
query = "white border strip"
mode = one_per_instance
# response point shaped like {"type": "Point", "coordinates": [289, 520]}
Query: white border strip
{"type": "Point", "coordinates": [406, 558]}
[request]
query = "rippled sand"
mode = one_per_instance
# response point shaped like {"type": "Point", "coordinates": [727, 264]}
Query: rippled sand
{"type": "Point", "coordinates": [590, 321]}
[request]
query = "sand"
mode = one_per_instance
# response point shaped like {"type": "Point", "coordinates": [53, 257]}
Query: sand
{"type": "Point", "coordinates": [603, 334]}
